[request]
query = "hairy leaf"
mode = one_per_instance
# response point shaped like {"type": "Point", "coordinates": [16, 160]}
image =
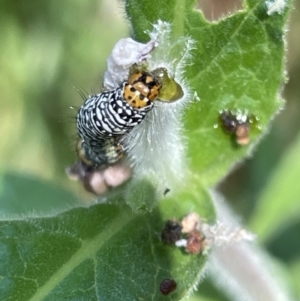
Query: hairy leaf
{"type": "Point", "coordinates": [104, 252]}
{"type": "Point", "coordinates": [23, 195]}
{"type": "Point", "coordinates": [237, 64]}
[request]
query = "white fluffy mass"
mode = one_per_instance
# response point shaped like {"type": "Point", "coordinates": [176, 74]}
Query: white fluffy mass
{"type": "Point", "coordinates": [275, 6]}
{"type": "Point", "coordinates": [155, 148]}
{"type": "Point", "coordinates": [125, 53]}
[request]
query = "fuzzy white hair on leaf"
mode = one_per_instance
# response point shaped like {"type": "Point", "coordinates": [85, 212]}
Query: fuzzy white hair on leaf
{"type": "Point", "coordinates": [155, 148]}
{"type": "Point", "coordinates": [276, 6]}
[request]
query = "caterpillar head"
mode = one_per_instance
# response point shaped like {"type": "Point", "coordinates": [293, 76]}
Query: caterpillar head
{"type": "Point", "coordinates": [141, 89]}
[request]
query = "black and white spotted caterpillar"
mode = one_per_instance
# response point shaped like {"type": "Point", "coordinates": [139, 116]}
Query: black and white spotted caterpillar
{"type": "Point", "coordinates": [104, 118]}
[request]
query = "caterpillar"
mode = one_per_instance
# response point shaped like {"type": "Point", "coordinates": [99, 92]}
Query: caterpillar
{"type": "Point", "coordinates": [105, 118]}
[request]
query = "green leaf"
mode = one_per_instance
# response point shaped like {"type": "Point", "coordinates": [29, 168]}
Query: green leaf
{"type": "Point", "coordinates": [278, 204]}
{"type": "Point", "coordinates": [101, 253]}
{"type": "Point", "coordinates": [294, 273]}
{"type": "Point", "coordinates": [237, 64]}
{"type": "Point", "coordinates": [106, 252]}
{"type": "Point", "coordinates": [140, 196]}
{"type": "Point", "coordinates": [25, 195]}
{"type": "Point", "coordinates": [207, 292]}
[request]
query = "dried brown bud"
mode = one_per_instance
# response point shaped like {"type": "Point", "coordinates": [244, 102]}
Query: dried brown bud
{"type": "Point", "coordinates": [190, 222]}
{"type": "Point", "coordinates": [99, 180]}
{"type": "Point", "coordinates": [238, 124]}
{"type": "Point", "coordinates": [242, 134]}
{"type": "Point", "coordinates": [117, 174]}
{"type": "Point", "coordinates": [195, 242]}
{"type": "Point", "coordinates": [172, 232]}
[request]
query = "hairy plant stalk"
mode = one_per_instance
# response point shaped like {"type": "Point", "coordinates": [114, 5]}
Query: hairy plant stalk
{"type": "Point", "coordinates": [243, 271]}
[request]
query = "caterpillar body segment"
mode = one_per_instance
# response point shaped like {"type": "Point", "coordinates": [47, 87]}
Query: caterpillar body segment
{"type": "Point", "coordinates": [104, 118]}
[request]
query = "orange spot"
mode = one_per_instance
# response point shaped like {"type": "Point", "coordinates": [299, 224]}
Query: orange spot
{"type": "Point", "coordinates": [146, 84]}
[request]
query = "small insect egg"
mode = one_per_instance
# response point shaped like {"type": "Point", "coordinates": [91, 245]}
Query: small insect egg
{"type": "Point", "coordinates": [167, 286]}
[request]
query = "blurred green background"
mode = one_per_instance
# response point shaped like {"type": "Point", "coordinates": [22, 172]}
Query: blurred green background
{"type": "Point", "coordinates": [49, 49]}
